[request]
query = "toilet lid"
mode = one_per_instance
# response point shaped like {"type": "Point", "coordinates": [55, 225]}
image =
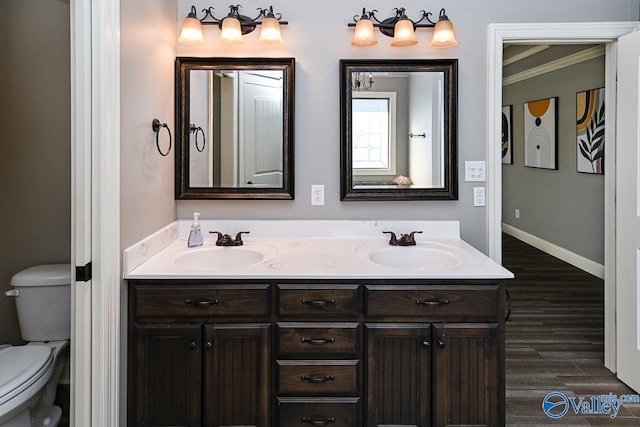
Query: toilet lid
{"type": "Point", "coordinates": [20, 367]}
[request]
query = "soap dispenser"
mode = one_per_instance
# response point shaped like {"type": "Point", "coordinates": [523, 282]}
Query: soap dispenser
{"type": "Point", "coordinates": [195, 236]}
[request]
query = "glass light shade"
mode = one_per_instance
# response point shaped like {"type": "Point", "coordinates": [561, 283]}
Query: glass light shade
{"type": "Point", "coordinates": [364, 35]}
{"type": "Point", "coordinates": [270, 32]}
{"type": "Point", "coordinates": [191, 33]}
{"type": "Point", "coordinates": [403, 34]}
{"type": "Point", "coordinates": [231, 32]}
{"type": "Point", "coordinates": [443, 35]}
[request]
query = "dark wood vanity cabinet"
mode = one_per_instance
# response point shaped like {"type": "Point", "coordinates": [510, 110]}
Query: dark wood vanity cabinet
{"type": "Point", "coordinates": [284, 353]}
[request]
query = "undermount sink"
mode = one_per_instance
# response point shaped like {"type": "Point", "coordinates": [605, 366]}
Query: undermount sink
{"type": "Point", "coordinates": [423, 256]}
{"type": "Point", "coordinates": [225, 257]}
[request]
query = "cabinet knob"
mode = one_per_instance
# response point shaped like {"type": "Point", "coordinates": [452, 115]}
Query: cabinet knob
{"type": "Point", "coordinates": [192, 344]}
{"type": "Point", "coordinates": [425, 343]}
{"type": "Point", "coordinates": [440, 343]}
{"type": "Point", "coordinates": [318, 422]}
{"type": "Point", "coordinates": [208, 345]}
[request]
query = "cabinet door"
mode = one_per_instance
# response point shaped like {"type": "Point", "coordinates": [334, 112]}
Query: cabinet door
{"type": "Point", "coordinates": [236, 391]}
{"type": "Point", "coordinates": [465, 370]}
{"type": "Point", "coordinates": [398, 374]}
{"type": "Point", "coordinates": [167, 375]}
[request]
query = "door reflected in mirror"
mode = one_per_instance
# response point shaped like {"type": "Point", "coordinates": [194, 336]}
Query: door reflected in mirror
{"type": "Point", "coordinates": [235, 124]}
{"type": "Point", "coordinates": [240, 113]}
{"type": "Point", "coordinates": [398, 129]}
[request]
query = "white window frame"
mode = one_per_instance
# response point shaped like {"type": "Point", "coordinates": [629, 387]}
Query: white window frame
{"type": "Point", "coordinates": [391, 170]}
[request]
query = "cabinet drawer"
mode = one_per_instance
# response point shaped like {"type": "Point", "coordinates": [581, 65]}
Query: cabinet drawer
{"type": "Point", "coordinates": [318, 340]}
{"type": "Point", "coordinates": [318, 377]}
{"type": "Point", "coordinates": [219, 300]}
{"type": "Point", "coordinates": [318, 412]}
{"type": "Point", "coordinates": [433, 303]}
{"type": "Point", "coordinates": [318, 300]}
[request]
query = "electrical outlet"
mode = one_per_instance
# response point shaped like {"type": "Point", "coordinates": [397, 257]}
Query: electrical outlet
{"type": "Point", "coordinates": [475, 171]}
{"type": "Point", "coordinates": [317, 195]}
{"type": "Point", "coordinates": [517, 213]}
{"type": "Point", "coordinates": [479, 196]}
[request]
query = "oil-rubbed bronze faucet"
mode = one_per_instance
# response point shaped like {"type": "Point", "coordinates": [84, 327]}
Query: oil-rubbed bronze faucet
{"type": "Point", "coordinates": [404, 240]}
{"type": "Point", "coordinates": [227, 240]}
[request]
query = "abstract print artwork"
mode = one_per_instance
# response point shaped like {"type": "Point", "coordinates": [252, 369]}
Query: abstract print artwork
{"type": "Point", "coordinates": [540, 134]}
{"type": "Point", "coordinates": [507, 135]}
{"type": "Point", "coordinates": [590, 131]}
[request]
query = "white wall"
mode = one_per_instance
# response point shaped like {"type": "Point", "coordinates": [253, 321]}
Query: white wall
{"type": "Point", "coordinates": [35, 135]}
{"type": "Point", "coordinates": [318, 37]}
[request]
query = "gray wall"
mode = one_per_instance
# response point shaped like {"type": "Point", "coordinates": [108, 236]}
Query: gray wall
{"type": "Point", "coordinates": [561, 206]}
{"type": "Point", "coordinates": [147, 53]}
{"type": "Point", "coordinates": [318, 38]}
{"type": "Point", "coordinates": [35, 123]}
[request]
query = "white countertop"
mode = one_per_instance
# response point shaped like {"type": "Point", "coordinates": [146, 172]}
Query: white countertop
{"type": "Point", "coordinates": [311, 250]}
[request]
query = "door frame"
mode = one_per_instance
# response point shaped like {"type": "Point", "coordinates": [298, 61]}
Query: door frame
{"type": "Point", "coordinates": [96, 377]}
{"type": "Point", "coordinates": [559, 33]}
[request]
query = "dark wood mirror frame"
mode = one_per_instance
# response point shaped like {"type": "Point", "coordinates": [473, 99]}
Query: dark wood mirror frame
{"type": "Point", "coordinates": [449, 190]}
{"type": "Point", "coordinates": [182, 67]}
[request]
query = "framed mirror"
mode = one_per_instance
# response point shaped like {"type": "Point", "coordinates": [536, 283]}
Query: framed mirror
{"type": "Point", "coordinates": [234, 128]}
{"type": "Point", "coordinates": [398, 122]}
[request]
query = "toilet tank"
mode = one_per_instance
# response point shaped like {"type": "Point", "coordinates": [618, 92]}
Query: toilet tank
{"type": "Point", "coordinates": [43, 302]}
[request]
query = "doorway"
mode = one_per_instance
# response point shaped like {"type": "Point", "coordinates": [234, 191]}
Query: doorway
{"type": "Point", "coordinates": [567, 33]}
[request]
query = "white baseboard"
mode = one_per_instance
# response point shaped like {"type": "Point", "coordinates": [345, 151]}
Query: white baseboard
{"type": "Point", "coordinates": [565, 255]}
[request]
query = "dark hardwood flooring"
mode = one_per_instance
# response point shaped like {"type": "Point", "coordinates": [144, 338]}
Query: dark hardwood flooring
{"type": "Point", "coordinates": [555, 340]}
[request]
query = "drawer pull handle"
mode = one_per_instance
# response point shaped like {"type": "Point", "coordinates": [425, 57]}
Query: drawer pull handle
{"type": "Point", "coordinates": [431, 302]}
{"type": "Point", "coordinates": [317, 341]}
{"type": "Point", "coordinates": [318, 422]}
{"type": "Point", "coordinates": [318, 302]}
{"type": "Point", "coordinates": [317, 380]}
{"type": "Point", "coordinates": [201, 303]}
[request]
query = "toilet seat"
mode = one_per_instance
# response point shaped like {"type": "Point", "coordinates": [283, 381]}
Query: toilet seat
{"type": "Point", "coordinates": [21, 367]}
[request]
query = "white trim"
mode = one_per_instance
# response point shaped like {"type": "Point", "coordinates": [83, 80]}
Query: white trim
{"type": "Point", "coordinates": [80, 345]}
{"type": "Point", "coordinates": [105, 136]}
{"type": "Point", "coordinates": [551, 66]}
{"type": "Point", "coordinates": [578, 261]}
{"type": "Point", "coordinates": [577, 32]}
{"type": "Point", "coordinates": [391, 128]}
{"type": "Point", "coordinates": [610, 280]}
{"type": "Point", "coordinates": [524, 54]}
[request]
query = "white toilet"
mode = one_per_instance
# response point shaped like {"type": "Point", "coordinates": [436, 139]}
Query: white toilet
{"type": "Point", "coordinates": [29, 374]}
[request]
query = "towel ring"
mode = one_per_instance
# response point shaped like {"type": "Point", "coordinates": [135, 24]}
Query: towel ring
{"type": "Point", "coordinates": [195, 129]}
{"type": "Point", "coordinates": [156, 125]}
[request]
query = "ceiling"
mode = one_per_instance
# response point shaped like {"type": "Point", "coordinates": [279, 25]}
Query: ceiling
{"type": "Point", "coordinates": [522, 61]}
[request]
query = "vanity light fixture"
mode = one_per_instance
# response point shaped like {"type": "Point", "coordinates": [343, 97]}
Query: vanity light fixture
{"type": "Point", "coordinates": [233, 26]}
{"type": "Point", "coordinates": [402, 29]}
{"type": "Point", "coordinates": [360, 82]}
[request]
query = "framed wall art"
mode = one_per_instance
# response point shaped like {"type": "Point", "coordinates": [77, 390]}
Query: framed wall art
{"type": "Point", "coordinates": [541, 133]}
{"type": "Point", "coordinates": [590, 131]}
{"type": "Point", "coordinates": [507, 134]}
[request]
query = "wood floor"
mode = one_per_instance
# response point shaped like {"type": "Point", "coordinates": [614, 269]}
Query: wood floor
{"type": "Point", "coordinates": [555, 340]}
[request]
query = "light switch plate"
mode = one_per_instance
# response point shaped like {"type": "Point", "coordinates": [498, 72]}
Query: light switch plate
{"type": "Point", "coordinates": [475, 170]}
{"type": "Point", "coordinates": [479, 198]}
